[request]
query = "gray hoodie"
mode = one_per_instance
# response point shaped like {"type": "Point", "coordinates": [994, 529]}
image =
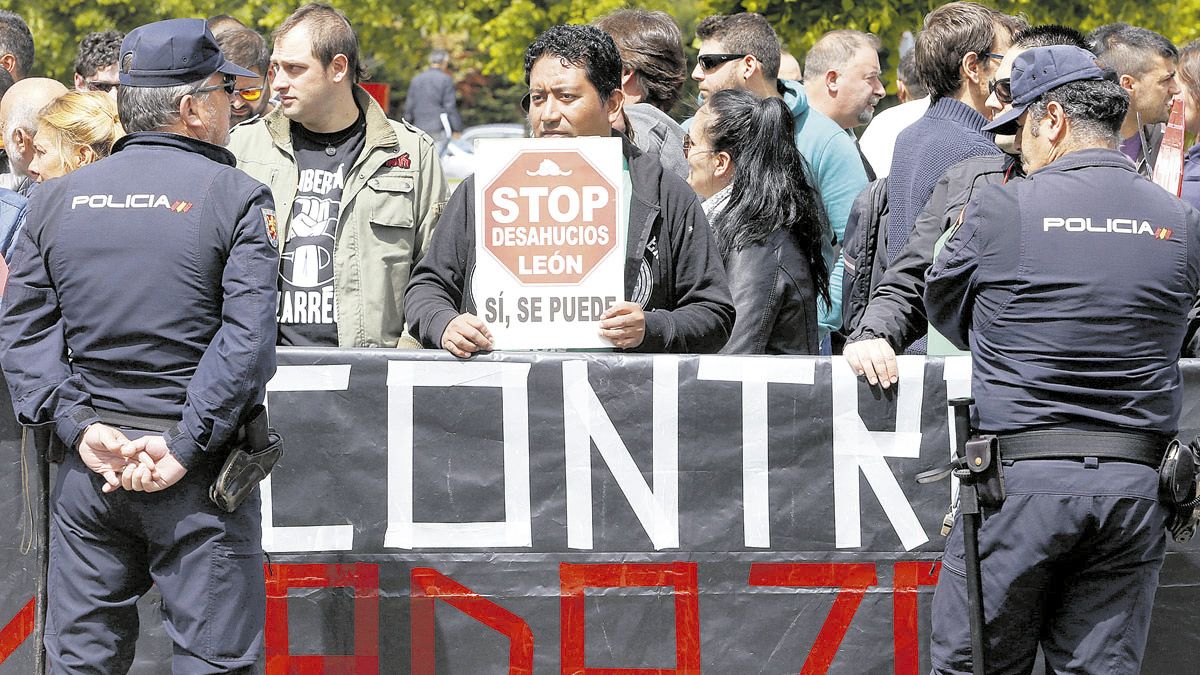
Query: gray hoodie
{"type": "Point", "coordinates": [654, 132]}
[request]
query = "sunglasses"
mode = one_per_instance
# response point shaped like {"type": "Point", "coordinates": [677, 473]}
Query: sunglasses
{"type": "Point", "coordinates": [1002, 88]}
{"type": "Point", "coordinates": [710, 61]}
{"type": "Point", "coordinates": [105, 87]}
{"type": "Point", "coordinates": [228, 84]}
{"type": "Point", "coordinates": [250, 94]}
{"type": "Point", "coordinates": [689, 146]}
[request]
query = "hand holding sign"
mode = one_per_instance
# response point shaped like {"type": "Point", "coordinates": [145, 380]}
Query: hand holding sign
{"type": "Point", "coordinates": [624, 324]}
{"type": "Point", "coordinates": [465, 335]}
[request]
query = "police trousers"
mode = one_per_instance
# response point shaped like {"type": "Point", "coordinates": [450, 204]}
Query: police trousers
{"type": "Point", "coordinates": [107, 549]}
{"type": "Point", "coordinates": [1069, 562]}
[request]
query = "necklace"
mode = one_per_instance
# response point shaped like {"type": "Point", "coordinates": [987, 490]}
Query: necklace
{"type": "Point", "coordinates": [332, 143]}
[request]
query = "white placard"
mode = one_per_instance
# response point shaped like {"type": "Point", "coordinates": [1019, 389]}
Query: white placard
{"type": "Point", "coordinates": [549, 240]}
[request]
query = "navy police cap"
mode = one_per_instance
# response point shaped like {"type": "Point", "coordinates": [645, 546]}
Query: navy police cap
{"type": "Point", "coordinates": [1039, 70]}
{"type": "Point", "coordinates": [171, 53]}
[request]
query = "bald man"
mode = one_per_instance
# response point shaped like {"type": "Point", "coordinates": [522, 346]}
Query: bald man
{"type": "Point", "coordinates": [18, 113]}
{"type": "Point", "coordinates": [789, 67]}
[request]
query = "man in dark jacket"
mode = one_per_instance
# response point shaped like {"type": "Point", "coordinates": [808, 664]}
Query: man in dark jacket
{"type": "Point", "coordinates": [431, 97]}
{"type": "Point", "coordinates": [1071, 289]}
{"type": "Point", "coordinates": [677, 298]}
{"type": "Point", "coordinates": [141, 306]}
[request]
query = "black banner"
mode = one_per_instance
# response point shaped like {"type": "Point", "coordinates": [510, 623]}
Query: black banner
{"type": "Point", "coordinates": [570, 512]}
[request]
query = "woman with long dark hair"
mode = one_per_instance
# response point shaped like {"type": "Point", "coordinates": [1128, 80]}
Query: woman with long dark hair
{"type": "Point", "coordinates": [767, 217]}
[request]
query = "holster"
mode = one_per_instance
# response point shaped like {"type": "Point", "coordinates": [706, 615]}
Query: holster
{"type": "Point", "coordinates": [984, 470]}
{"type": "Point", "coordinates": [250, 461]}
{"type": "Point", "coordinates": [979, 468]}
{"type": "Point", "coordinates": [1179, 487]}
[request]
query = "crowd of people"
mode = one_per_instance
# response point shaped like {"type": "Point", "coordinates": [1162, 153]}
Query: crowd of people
{"type": "Point", "coordinates": [218, 194]}
{"type": "Point", "coordinates": [911, 171]}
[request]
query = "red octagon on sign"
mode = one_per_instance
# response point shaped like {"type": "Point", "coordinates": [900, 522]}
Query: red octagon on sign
{"type": "Point", "coordinates": [550, 217]}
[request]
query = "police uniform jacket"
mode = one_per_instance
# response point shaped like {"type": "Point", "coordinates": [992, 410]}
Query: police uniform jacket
{"type": "Point", "coordinates": [145, 284]}
{"type": "Point", "coordinates": [393, 196]}
{"type": "Point", "coordinates": [1072, 289]}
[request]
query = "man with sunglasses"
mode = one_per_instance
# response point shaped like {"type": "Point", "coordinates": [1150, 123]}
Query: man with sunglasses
{"type": "Point", "coordinates": [252, 96]}
{"type": "Point", "coordinates": [957, 52]}
{"type": "Point", "coordinates": [138, 323]}
{"type": "Point", "coordinates": [741, 51]}
{"type": "Point", "coordinates": [96, 62]}
{"type": "Point", "coordinates": [894, 318]}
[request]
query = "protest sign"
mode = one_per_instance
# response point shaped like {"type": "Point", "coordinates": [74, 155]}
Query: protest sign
{"type": "Point", "coordinates": [1168, 169]}
{"type": "Point", "coordinates": [549, 240]}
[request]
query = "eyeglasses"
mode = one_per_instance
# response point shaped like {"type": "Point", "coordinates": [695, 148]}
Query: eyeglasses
{"type": "Point", "coordinates": [689, 147]}
{"type": "Point", "coordinates": [710, 61]}
{"type": "Point", "coordinates": [96, 85]}
{"type": "Point", "coordinates": [228, 84]}
{"type": "Point", "coordinates": [993, 55]}
{"type": "Point", "coordinates": [1002, 88]}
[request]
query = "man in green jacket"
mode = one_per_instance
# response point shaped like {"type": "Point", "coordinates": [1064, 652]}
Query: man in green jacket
{"type": "Point", "coordinates": [357, 194]}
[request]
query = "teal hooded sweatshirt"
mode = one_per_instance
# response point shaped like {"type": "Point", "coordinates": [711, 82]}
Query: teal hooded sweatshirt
{"type": "Point", "coordinates": [837, 171]}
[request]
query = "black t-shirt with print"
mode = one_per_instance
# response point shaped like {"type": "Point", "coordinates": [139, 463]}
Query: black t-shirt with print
{"type": "Point", "coordinates": [307, 315]}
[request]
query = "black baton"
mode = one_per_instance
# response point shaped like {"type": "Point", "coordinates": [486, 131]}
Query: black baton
{"type": "Point", "coordinates": [968, 506]}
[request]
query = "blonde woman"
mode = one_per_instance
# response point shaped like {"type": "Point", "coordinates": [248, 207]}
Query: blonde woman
{"type": "Point", "coordinates": [74, 130]}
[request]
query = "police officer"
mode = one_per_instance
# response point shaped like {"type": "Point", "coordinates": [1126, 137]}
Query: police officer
{"type": "Point", "coordinates": [141, 306]}
{"type": "Point", "coordinates": [1071, 290]}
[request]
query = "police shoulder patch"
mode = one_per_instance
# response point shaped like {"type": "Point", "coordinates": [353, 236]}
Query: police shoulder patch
{"type": "Point", "coordinates": [272, 228]}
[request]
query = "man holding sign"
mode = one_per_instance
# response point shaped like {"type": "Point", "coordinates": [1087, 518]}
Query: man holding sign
{"type": "Point", "coordinates": [675, 297]}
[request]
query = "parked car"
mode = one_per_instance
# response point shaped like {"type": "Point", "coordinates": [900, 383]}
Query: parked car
{"type": "Point", "coordinates": [458, 158]}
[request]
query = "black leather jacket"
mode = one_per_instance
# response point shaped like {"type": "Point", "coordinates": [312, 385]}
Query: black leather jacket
{"type": "Point", "coordinates": [774, 296]}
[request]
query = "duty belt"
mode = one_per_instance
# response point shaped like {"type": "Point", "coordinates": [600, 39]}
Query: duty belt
{"type": "Point", "coordinates": [133, 421]}
{"type": "Point", "coordinates": [1060, 443]}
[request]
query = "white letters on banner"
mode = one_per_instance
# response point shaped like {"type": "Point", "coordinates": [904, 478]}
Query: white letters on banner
{"type": "Point", "coordinates": [956, 371]}
{"type": "Point", "coordinates": [585, 420]}
{"type": "Point", "coordinates": [755, 374]}
{"type": "Point", "coordinates": [855, 448]}
{"type": "Point", "coordinates": [516, 528]}
{"type": "Point", "coordinates": [654, 503]}
{"type": "Point", "coordinates": [311, 537]}
{"type": "Point", "coordinates": [550, 237]}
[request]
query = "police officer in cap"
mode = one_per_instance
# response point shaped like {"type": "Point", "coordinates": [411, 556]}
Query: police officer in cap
{"type": "Point", "coordinates": [139, 321]}
{"type": "Point", "coordinates": [1071, 290]}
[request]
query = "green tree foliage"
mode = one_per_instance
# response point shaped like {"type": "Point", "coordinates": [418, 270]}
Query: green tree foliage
{"type": "Point", "coordinates": [486, 38]}
{"type": "Point", "coordinates": [799, 23]}
{"type": "Point", "coordinates": [396, 35]}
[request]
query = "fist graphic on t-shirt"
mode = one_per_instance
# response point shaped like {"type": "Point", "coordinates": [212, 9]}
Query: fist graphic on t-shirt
{"type": "Point", "coordinates": [307, 260]}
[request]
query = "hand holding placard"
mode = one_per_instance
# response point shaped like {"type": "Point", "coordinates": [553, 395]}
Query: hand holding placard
{"type": "Point", "coordinates": [624, 324]}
